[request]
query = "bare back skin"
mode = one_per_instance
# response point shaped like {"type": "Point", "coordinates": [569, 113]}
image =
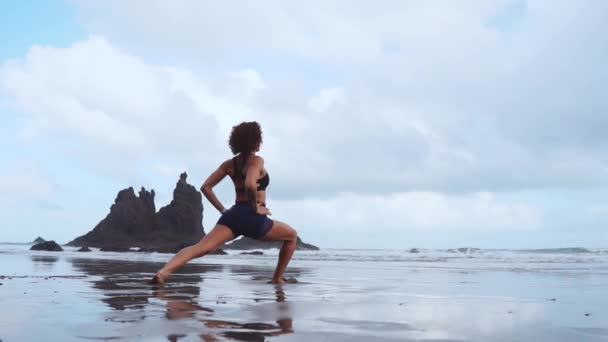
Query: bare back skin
{"type": "Point", "coordinates": [220, 234]}
{"type": "Point", "coordinates": [255, 170]}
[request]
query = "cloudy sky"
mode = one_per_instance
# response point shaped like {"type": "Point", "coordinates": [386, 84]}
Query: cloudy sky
{"type": "Point", "coordinates": [387, 124]}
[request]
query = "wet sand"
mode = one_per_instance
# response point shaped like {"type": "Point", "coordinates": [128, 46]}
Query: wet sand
{"type": "Point", "coordinates": [97, 296]}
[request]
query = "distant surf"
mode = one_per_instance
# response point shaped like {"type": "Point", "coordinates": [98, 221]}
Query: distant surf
{"type": "Point", "coordinates": [472, 258]}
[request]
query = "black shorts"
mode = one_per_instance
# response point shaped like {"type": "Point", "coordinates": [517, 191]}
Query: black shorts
{"type": "Point", "coordinates": [242, 220]}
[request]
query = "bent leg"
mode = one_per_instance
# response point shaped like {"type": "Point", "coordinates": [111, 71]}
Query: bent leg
{"type": "Point", "coordinates": [209, 243]}
{"type": "Point", "coordinates": [282, 232]}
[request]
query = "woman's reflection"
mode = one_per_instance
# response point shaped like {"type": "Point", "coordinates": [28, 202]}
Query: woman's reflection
{"type": "Point", "coordinates": [180, 309]}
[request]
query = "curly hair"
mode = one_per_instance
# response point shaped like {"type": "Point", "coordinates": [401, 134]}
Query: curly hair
{"type": "Point", "coordinates": [245, 137]}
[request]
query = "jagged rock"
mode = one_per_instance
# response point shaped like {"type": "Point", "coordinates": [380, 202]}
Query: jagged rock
{"type": "Point", "coordinates": [147, 199]}
{"type": "Point", "coordinates": [247, 243]}
{"type": "Point", "coordinates": [38, 240]}
{"type": "Point", "coordinates": [184, 215]}
{"type": "Point", "coordinates": [84, 249]}
{"type": "Point", "coordinates": [47, 246]}
{"type": "Point", "coordinates": [253, 253]}
{"type": "Point", "coordinates": [134, 222]}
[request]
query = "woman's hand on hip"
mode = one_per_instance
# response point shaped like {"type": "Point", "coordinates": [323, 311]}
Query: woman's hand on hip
{"type": "Point", "coordinates": [263, 210]}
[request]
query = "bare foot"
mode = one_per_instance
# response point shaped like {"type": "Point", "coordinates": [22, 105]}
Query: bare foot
{"type": "Point", "coordinates": [158, 278]}
{"type": "Point", "coordinates": [283, 281]}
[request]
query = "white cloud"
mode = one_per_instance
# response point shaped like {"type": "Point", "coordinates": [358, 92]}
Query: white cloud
{"type": "Point", "coordinates": [427, 112]}
{"type": "Point", "coordinates": [251, 81]}
{"type": "Point", "coordinates": [112, 109]}
{"type": "Point", "coordinates": [410, 212]}
{"type": "Point", "coordinates": [326, 99]}
{"type": "Point", "coordinates": [25, 184]}
{"type": "Point", "coordinates": [449, 106]}
{"type": "Point", "coordinates": [597, 212]}
{"type": "Point", "coordinates": [340, 31]}
{"type": "Point", "coordinates": [444, 96]}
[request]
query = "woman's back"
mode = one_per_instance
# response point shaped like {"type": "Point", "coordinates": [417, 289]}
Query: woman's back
{"type": "Point", "coordinates": [237, 170]}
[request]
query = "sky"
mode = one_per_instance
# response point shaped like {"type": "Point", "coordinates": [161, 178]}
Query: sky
{"type": "Point", "coordinates": [387, 124]}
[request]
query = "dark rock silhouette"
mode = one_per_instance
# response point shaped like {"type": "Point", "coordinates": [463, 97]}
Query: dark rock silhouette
{"type": "Point", "coordinates": [84, 249]}
{"type": "Point", "coordinates": [247, 243]}
{"type": "Point", "coordinates": [253, 253]}
{"type": "Point", "coordinates": [134, 222]}
{"type": "Point", "coordinates": [47, 246]}
{"type": "Point", "coordinates": [38, 240]}
{"type": "Point", "coordinates": [184, 215]}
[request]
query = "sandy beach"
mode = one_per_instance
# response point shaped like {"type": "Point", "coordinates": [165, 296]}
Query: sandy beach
{"type": "Point", "coordinates": [71, 296]}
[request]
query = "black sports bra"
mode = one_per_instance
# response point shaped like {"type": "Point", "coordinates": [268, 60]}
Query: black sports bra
{"type": "Point", "coordinates": [238, 175]}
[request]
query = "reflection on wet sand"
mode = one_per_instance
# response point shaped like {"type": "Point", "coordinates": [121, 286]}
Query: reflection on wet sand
{"type": "Point", "coordinates": [43, 262]}
{"type": "Point", "coordinates": [125, 283]}
{"type": "Point", "coordinates": [124, 286]}
{"type": "Point", "coordinates": [180, 309]}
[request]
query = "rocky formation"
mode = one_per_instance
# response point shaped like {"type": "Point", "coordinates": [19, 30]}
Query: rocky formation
{"type": "Point", "coordinates": [47, 246]}
{"type": "Point", "coordinates": [184, 215]}
{"type": "Point", "coordinates": [134, 222]}
{"type": "Point", "coordinates": [84, 249]}
{"type": "Point", "coordinates": [246, 243]}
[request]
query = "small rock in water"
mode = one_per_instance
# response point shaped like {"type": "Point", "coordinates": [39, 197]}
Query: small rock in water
{"type": "Point", "coordinates": [587, 314]}
{"type": "Point", "coordinates": [47, 246]}
{"type": "Point", "coordinates": [84, 249]}
{"type": "Point", "coordinates": [218, 251]}
{"type": "Point", "coordinates": [414, 250]}
{"type": "Point", "coordinates": [253, 253]}
{"type": "Point", "coordinates": [552, 299]}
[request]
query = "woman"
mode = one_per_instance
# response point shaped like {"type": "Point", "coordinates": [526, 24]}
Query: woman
{"type": "Point", "coordinates": [248, 216]}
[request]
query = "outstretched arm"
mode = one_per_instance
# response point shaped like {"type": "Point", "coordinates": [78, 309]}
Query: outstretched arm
{"type": "Point", "coordinates": [212, 180]}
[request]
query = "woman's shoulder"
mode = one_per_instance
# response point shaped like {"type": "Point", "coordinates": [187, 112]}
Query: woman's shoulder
{"type": "Point", "coordinates": [227, 164]}
{"type": "Point", "coordinates": [257, 159]}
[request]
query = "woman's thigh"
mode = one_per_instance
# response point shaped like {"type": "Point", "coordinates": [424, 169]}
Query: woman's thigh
{"type": "Point", "coordinates": [280, 231]}
{"type": "Point", "coordinates": [216, 237]}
